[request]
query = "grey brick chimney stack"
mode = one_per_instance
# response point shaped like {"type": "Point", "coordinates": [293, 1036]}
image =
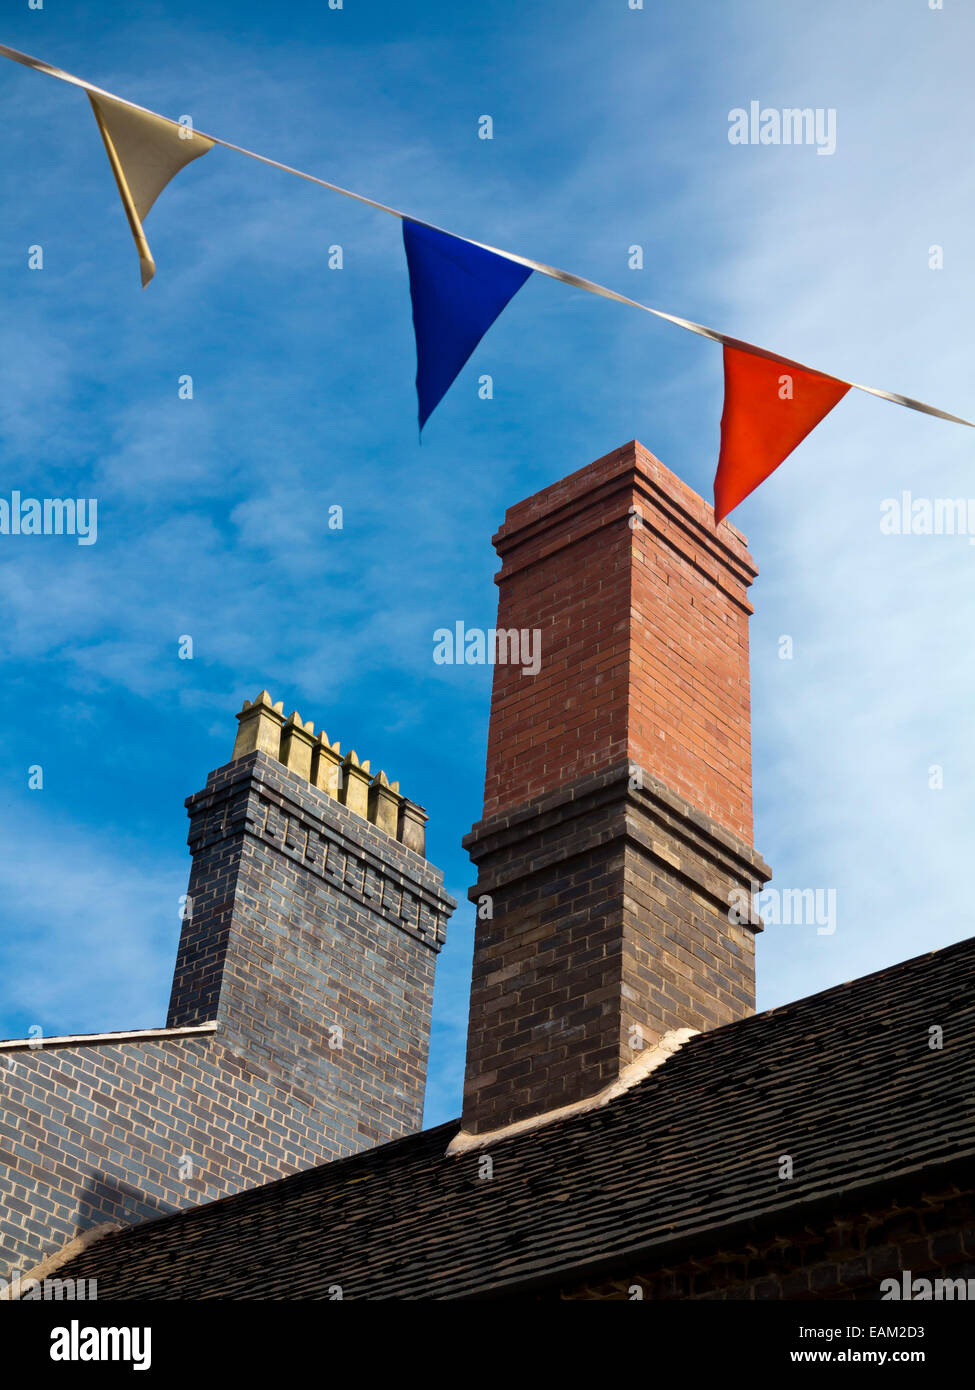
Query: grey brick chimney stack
{"type": "Point", "coordinates": [299, 1023]}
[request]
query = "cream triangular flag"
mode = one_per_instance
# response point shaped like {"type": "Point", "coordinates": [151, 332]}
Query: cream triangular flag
{"type": "Point", "coordinates": [145, 151]}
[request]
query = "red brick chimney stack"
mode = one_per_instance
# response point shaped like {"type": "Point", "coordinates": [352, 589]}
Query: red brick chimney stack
{"type": "Point", "coordinates": [617, 805]}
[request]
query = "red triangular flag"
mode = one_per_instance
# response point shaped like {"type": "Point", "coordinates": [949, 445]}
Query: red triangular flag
{"type": "Point", "coordinates": [769, 407]}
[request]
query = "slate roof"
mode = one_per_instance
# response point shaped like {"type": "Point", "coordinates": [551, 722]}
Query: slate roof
{"type": "Point", "coordinates": [844, 1081]}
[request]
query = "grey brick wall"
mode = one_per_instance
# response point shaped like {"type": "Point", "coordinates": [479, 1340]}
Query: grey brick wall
{"type": "Point", "coordinates": [102, 1132]}
{"type": "Point", "coordinates": [310, 941]}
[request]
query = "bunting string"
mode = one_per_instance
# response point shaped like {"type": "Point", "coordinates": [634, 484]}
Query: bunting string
{"type": "Point", "coordinates": [457, 294]}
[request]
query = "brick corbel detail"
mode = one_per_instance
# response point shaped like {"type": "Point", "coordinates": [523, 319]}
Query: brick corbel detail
{"type": "Point", "coordinates": [604, 922]}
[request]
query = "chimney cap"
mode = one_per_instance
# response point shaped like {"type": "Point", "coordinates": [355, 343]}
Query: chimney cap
{"type": "Point", "coordinates": [293, 742]}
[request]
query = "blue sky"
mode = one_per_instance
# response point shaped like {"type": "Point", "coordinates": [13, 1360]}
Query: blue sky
{"type": "Point", "coordinates": [610, 129]}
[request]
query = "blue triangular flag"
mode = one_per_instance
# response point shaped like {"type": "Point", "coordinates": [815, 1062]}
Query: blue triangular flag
{"type": "Point", "coordinates": [458, 290]}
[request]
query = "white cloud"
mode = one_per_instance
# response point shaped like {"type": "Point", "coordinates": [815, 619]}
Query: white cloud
{"type": "Point", "coordinates": [614, 130]}
{"type": "Point", "coordinates": [829, 261]}
{"type": "Point", "coordinates": [92, 944]}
